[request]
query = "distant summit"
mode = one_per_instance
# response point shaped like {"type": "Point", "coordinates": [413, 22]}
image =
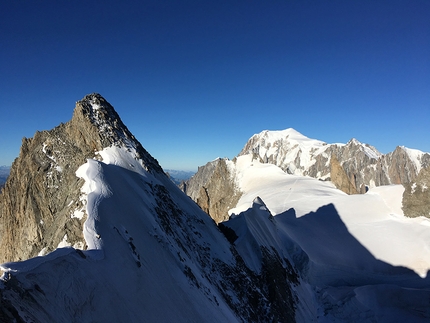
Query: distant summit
{"type": "Point", "coordinates": [353, 167]}
{"type": "Point", "coordinates": [178, 176]}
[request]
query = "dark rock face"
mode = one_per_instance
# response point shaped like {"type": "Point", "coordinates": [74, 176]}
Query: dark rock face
{"type": "Point", "coordinates": [36, 208]}
{"type": "Point", "coordinates": [213, 189]}
{"type": "Point", "coordinates": [40, 204]}
{"type": "Point", "coordinates": [359, 162]}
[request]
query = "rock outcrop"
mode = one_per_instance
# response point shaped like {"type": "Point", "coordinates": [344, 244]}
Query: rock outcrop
{"type": "Point", "coordinates": [340, 178]}
{"type": "Point", "coordinates": [40, 205]}
{"type": "Point", "coordinates": [213, 189]}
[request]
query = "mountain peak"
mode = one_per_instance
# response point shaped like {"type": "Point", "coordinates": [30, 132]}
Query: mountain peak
{"type": "Point", "coordinates": [290, 133]}
{"type": "Point", "coordinates": [97, 109]}
{"type": "Point", "coordinates": [354, 141]}
{"type": "Point", "coordinates": [90, 185]}
{"type": "Point", "coordinates": [369, 150]}
{"type": "Point", "coordinates": [96, 122]}
{"type": "Point", "coordinates": [48, 161]}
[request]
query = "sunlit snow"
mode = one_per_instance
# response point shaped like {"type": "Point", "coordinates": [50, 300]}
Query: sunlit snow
{"type": "Point", "coordinates": [375, 219]}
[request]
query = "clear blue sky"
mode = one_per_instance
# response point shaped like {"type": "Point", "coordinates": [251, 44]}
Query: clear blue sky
{"type": "Point", "coordinates": [193, 80]}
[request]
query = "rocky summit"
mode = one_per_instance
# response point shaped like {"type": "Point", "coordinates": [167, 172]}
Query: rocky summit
{"type": "Point", "coordinates": [40, 205]}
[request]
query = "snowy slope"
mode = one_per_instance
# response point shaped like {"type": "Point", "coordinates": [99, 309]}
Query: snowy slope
{"type": "Point", "coordinates": [361, 257]}
{"type": "Point", "coordinates": [366, 216]}
{"type": "Point", "coordinates": [132, 268]}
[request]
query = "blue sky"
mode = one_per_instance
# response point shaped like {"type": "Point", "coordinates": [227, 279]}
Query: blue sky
{"type": "Point", "coordinates": [193, 80]}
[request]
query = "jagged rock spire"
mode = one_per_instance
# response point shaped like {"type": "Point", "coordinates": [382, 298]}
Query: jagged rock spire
{"type": "Point", "coordinates": [99, 126]}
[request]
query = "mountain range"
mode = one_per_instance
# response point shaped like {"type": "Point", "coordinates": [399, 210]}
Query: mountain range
{"type": "Point", "coordinates": [353, 168]}
{"type": "Point", "coordinates": [178, 176]}
{"type": "Point", "coordinates": [93, 230]}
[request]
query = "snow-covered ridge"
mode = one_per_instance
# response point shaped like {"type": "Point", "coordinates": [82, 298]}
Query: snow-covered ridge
{"type": "Point", "coordinates": [363, 164]}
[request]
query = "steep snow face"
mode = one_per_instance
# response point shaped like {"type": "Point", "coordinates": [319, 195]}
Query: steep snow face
{"type": "Point", "coordinates": [254, 230]}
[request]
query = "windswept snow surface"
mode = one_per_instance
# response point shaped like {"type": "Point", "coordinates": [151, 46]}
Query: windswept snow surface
{"type": "Point", "coordinates": [362, 258]}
